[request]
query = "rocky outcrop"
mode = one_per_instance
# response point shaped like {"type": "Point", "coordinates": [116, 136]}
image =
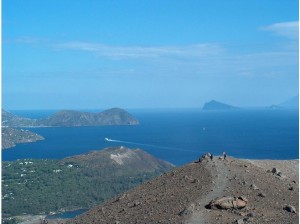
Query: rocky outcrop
{"type": "Point", "coordinates": [228, 203]}
{"type": "Point", "coordinates": [205, 157]}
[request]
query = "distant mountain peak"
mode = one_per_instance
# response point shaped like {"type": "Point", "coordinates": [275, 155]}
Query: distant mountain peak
{"type": "Point", "coordinates": [292, 102]}
{"type": "Point", "coordinates": [216, 105]}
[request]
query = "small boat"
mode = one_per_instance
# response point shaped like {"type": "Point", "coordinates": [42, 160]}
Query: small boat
{"type": "Point", "coordinates": [107, 139]}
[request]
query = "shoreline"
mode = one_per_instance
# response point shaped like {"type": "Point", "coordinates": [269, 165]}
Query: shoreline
{"type": "Point", "coordinates": [32, 219]}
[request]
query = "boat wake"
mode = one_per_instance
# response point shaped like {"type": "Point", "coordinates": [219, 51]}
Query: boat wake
{"type": "Point", "coordinates": [150, 145]}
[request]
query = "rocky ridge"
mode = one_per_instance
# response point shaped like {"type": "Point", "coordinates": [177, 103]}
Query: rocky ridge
{"type": "Point", "coordinates": [70, 118]}
{"type": "Point", "coordinates": [248, 191]}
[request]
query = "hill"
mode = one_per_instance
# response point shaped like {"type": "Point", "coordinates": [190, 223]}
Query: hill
{"type": "Point", "coordinates": [291, 103]}
{"type": "Point", "coordinates": [43, 186]}
{"type": "Point", "coordinates": [12, 120]}
{"type": "Point", "coordinates": [115, 116]}
{"type": "Point", "coordinates": [218, 191]}
{"type": "Point", "coordinates": [215, 105]}
{"type": "Point", "coordinates": [69, 118]}
{"type": "Point", "coordinates": [11, 137]}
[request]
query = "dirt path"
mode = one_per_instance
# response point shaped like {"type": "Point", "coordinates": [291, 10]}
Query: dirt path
{"type": "Point", "coordinates": [180, 196]}
{"type": "Point", "coordinates": [220, 172]}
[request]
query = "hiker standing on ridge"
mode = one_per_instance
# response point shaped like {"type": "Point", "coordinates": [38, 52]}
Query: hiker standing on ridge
{"type": "Point", "coordinates": [224, 155]}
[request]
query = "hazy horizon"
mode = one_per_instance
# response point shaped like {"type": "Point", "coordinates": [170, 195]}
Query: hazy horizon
{"type": "Point", "coordinates": [146, 108]}
{"type": "Point", "coordinates": [147, 55]}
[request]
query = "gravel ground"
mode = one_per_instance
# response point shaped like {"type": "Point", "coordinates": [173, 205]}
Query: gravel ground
{"type": "Point", "coordinates": [180, 196]}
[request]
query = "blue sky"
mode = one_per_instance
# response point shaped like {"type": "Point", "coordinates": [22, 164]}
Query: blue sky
{"type": "Point", "coordinates": [76, 54]}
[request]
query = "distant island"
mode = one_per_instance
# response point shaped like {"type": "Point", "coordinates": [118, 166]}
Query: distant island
{"type": "Point", "coordinates": [41, 186]}
{"type": "Point", "coordinates": [215, 105]}
{"type": "Point", "coordinates": [71, 118]}
{"type": "Point", "coordinates": [275, 107]}
{"type": "Point", "coordinates": [11, 137]}
{"type": "Point", "coordinates": [291, 103]}
{"type": "Point", "coordinates": [12, 120]}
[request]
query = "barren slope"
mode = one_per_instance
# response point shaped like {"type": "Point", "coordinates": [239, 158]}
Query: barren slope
{"type": "Point", "coordinates": [181, 195]}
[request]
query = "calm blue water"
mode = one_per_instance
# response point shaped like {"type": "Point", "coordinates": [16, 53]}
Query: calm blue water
{"type": "Point", "coordinates": [178, 136]}
{"type": "Point", "coordinates": [67, 215]}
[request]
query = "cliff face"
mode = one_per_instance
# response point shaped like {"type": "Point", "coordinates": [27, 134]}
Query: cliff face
{"type": "Point", "coordinates": [247, 192]}
{"type": "Point", "coordinates": [69, 118]}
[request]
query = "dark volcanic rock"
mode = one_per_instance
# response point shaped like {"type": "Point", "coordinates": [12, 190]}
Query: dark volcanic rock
{"type": "Point", "coordinates": [261, 194]}
{"type": "Point", "coordinates": [205, 157]}
{"type": "Point", "coordinates": [290, 208]}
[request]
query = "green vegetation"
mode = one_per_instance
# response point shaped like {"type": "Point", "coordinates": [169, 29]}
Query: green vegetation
{"type": "Point", "coordinates": [11, 221]}
{"type": "Point", "coordinates": [12, 136]}
{"type": "Point", "coordinates": [41, 186]}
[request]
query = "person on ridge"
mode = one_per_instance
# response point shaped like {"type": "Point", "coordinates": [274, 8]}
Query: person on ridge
{"type": "Point", "coordinates": [224, 155]}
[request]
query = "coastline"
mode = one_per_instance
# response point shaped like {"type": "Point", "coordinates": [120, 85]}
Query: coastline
{"type": "Point", "coordinates": [36, 219]}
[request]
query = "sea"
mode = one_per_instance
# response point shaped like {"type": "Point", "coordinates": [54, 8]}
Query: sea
{"type": "Point", "coordinates": [178, 136]}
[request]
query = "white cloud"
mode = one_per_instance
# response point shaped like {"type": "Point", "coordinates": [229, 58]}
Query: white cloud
{"type": "Point", "coordinates": [286, 29]}
{"type": "Point", "coordinates": [121, 52]}
{"type": "Point", "coordinates": [187, 60]}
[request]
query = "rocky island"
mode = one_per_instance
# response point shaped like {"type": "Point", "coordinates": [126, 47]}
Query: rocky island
{"type": "Point", "coordinates": [292, 103]}
{"type": "Point", "coordinates": [12, 136]}
{"type": "Point", "coordinates": [70, 118]}
{"type": "Point", "coordinates": [64, 118]}
{"type": "Point", "coordinates": [215, 105]}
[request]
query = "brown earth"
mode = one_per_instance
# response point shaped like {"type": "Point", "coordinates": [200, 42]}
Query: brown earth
{"type": "Point", "coordinates": [181, 195]}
